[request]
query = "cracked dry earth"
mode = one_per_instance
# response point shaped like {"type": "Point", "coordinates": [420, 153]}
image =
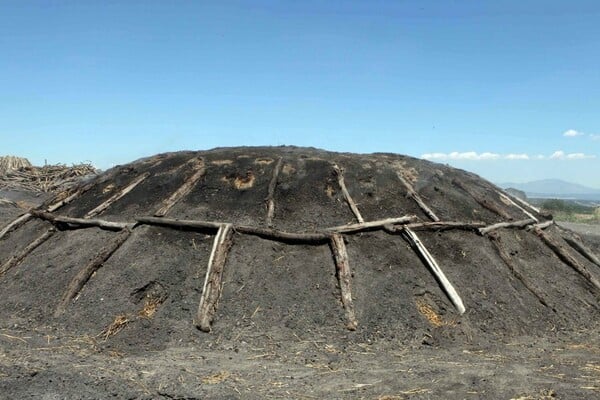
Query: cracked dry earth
{"type": "Point", "coordinates": [279, 327]}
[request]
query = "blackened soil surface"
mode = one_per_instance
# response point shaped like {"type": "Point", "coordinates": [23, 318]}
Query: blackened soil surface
{"type": "Point", "coordinates": [530, 329]}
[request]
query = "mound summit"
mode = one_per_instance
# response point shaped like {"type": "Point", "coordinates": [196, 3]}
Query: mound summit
{"type": "Point", "coordinates": [288, 241]}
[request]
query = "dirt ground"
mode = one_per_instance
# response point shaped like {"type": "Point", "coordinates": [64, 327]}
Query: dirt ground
{"type": "Point", "coordinates": [279, 328]}
{"type": "Point", "coordinates": [47, 365]}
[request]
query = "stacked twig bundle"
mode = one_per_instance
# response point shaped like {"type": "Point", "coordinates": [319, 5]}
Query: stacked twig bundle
{"type": "Point", "coordinates": [11, 163]}
{"type": "Point", "coordinates": [18, 173]}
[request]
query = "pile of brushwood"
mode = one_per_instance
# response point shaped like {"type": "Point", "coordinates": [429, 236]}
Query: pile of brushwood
{"type": "Point", "coordinates": [18, 174]}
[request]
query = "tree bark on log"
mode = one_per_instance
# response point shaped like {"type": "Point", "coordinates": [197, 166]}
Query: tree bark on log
{"type": "Point", "coordinates": [185, 188]}
{"type": "Point", "coordinates": [211, 291]}
{"type": "Point", "coordinates": [117, 195]}
{"type": "Point", "coordinates": [417, 198]}
{"type": "Point", "coordinates": [435, 269]}
{"type": "Point", "coordinates": [490, 205]}
{"type": "Point", "coordinates": [340, 176]}
{"type": "Point", "coordinates": [69, 222]}
{"type": "Point", "coordinates": [495, 240]}
{"type": "Point", "coordinates": [86, 273]}
{"type": "Point", "coordinates": [15, 260]}
{"type": "Point", "coordinates": [340, 256]}
{"type": "Point", "coordinates": [566, 257]}
{"type": "Point", "coordinates": [513, 224]}
{"type": "Point", "coordinates": [271, 192]}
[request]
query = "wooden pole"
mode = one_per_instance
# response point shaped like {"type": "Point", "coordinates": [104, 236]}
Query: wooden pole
{"type": "Point", "coordinates": [415, 196]}
{"type": "Point", "coordinates": [86, 273]}
{"type": "Point", "coordinates": [178, 223]}
{"type": "Point", "coordinates": [16, 223]}
{"type": "Point", "coordinates": [211, 291]}
{"type": "Point", "coordinates": [199, 171]}
{"type": "Point", "coordinates": [21, 220]}
{"type": "Point", "coordinates": [80, 222]}
{"type": "Point", "coordinates": [435, 269]}
{"type": "Point", "coordinates": [117, 195]}
{"type": "Point", "coordinates": [271, 193]}
{"type": "Point", "coordinates": [436, 226]}
{"type": "Point", "coordinates": [15, 260]}
{"type": "Point", "coordinates": [523, 203]}
{"type": "Point", "coordinates": [513, 224]}
{"type": "Point", "coordinates": [340, 176]}
{"type": "Point", "coordinates": [566, 257]}
{"type": "Point", "coordinates": [68, 199]}
{"type": "Point", "coordinates": [541, 225]}
{"type": "Point", "coordinates": [510, 201]}
{"type": "Point", "coordinates": [286, 237]}
{"type": "Point", "coordinates": [371, 224]}
{"type": "Point", "coordinates": [340, 255]}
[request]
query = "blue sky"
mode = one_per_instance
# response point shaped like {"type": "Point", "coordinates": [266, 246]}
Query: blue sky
{"type": "Point", "coordinates": [488, 86]}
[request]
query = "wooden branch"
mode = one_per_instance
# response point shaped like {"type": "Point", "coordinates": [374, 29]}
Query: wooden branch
{"type": "Point", "coordinates": [53, 207]}
{"type": "Point", "coordinates": [179, 223]}
{"type": "Point", "coordinates": [211, 291]}
{"type": "Point", "coordinates": [185, 188]}
{"type": "Point", "coordinates": [21, 220]}
{"type": "Point", "coordinates": [523, 203]}
{"type": "Point", "coordinates": [60, 222]}
{"type": "Point", "coordinates": [16, 223]}
{"type": "Point", "coordinates": [15, 260]}
{"type": "Point", "coordinates": [495, 240]}
{"type": "Point", "coordinates": [541, 225]}
{"type": "Point", "coordinates": [510, 201]}
{"type": "Point", "coordinates": [415, 196]}
{"type": "Point", "coordinates": [86, 273]}
{"type": "Point", "coordinates": [117, 195]}
{"type": "Point", "coordinates": [582, 249]}
{"type": "Point", "coordinates": [340, 176]}
{"type": "Point", "coordinates": [490, 205]}
{"type": "Point", "coordinates": [371, 224]}
{"type": "Point", "coordinates": [271, 193]}
{"type": "Point", "coordinates": [436, 226]}
{"type": "Point", "coordinates": [566, 257]}
{"type": "Point", "coordinates": [338, 248]}
{"type": "Point", "coordinates": [512, 224]}
{"type": "Point", "coordinates": [437, 272]}
{"type": "Point", "coordinates": [286, 237]}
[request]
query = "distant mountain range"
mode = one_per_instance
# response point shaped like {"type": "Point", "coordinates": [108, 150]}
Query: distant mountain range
{"type": "Point", "coordinates": [554, 188]}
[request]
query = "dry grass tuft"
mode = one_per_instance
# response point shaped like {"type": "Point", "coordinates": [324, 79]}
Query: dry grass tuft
{"type": "Point", "coordinates": [150, 306]}
{"type": "Point", "coordinates": [432, 316]}
{"type": "Point", "coordinates": [116, 326]}
{"type": "Point", "coordinates": [216, 378]}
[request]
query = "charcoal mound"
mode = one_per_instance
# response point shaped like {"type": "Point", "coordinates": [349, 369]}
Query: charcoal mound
{"type": "Point", "coordinates": [289, 242]}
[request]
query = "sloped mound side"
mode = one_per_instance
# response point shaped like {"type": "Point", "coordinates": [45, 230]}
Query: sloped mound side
{"type": "Point", "coordinates": [291, 243]}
